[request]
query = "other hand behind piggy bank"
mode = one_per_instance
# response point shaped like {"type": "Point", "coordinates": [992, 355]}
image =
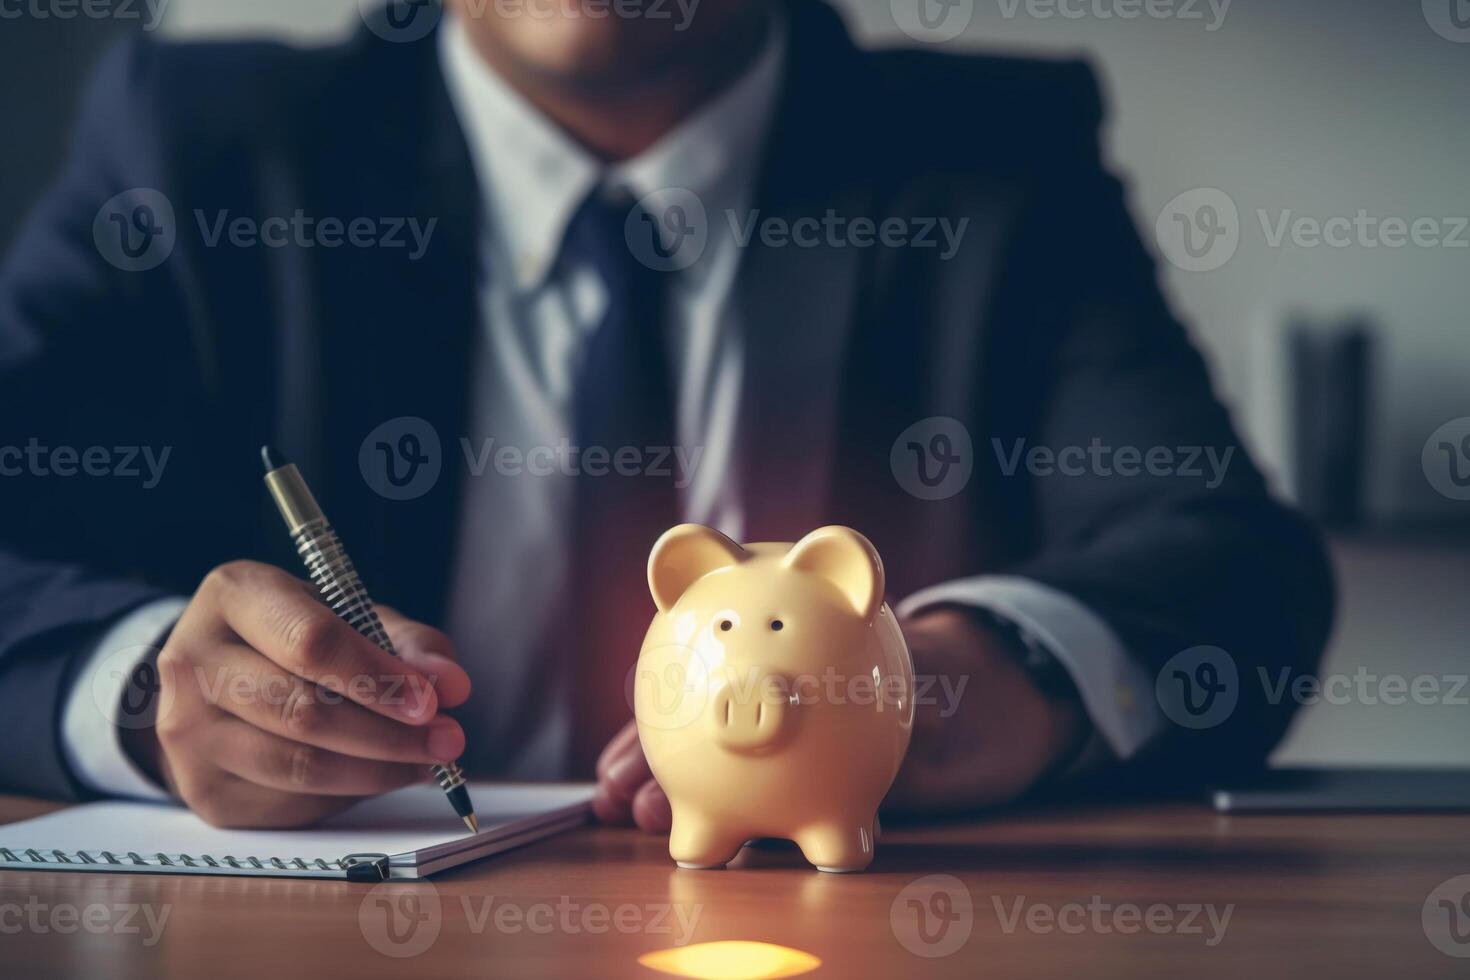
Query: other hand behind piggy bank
{"type": "Point", "coordinates": [774, 694]}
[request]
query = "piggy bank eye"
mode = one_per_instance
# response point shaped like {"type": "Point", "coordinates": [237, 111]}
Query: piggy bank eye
{"type": "Point", "coordinates": [777, 625]}
{"type": "Point", "coordinates": [726, 625]}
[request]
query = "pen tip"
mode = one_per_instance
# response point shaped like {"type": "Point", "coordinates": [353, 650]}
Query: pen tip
{"type": "Point", "coordinates": [272, 459]}
{"type": "Point", "coordinates": [472, 823]}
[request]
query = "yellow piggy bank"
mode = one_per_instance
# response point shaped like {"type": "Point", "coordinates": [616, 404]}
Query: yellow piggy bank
{"type": "Point", "coordinates": [773, 693]}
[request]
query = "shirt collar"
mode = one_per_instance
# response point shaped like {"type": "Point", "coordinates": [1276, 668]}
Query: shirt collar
{"type": "Point", "coordinates": [533, 176]}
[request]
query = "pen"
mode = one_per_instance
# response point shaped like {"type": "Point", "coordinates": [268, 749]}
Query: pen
{"type": "Point", "coordinates": [341, 588]}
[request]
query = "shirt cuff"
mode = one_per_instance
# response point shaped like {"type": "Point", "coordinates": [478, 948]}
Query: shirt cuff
{"type": "Point", "coordinates": [1114, 689]}
{"type": "Point", "coordinates": [100, 703]}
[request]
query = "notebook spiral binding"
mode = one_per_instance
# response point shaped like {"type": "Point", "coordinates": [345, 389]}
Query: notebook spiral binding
{"type": "Point", "coordinates": [369, 867]}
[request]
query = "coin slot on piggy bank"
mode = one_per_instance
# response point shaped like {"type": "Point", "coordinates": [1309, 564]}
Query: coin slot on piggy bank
{"type": "Point", "coordinates": [773, 693]}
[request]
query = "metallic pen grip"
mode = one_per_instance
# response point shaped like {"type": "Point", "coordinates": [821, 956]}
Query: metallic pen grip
{"type": "Point", "coordinates": [341, 588]}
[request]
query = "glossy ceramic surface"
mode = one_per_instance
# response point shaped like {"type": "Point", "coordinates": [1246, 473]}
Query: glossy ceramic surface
{"type": "Point", "coordinates": [774, 693]}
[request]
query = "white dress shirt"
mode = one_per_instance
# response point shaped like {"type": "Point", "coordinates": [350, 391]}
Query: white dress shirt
{"type": "Point", "coordinates": [536, 318]}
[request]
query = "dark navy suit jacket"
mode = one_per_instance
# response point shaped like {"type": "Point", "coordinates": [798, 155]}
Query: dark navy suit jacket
{"type": "Point", "coordinates": [1048, 325]}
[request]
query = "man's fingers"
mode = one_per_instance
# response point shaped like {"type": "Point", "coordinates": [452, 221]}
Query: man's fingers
{"type": "Point", "coordinates": [225, 800]}
{"type": "Point", "coordinates": [627, 772]}
{"type": "Point", "coordinates": [651, 810]}
{"type": "Point", "coordinates": [610, 811]}
{"type": "Point", "coordinates": [647, 807]}
{"type": "Point", "coordinates": [268, 609]}
{"type": "Point", "coordinates": [278, 763]}
{"type": "Point", "coordinates": [621, 769]}
{"type": "Point", "coordinates": [431, 652]}
{"type": "Point", "coordinates": [451, 683]}
{"type": "Point", "coordinates": [414, 635]}
{"type": "Point", "coordinates": [619, 746]}
{"type": "Point", "coordinates": [250, 687]}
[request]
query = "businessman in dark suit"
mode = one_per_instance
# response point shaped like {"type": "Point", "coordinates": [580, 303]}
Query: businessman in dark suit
{"type": "Point", "coordinates": [519, 291]}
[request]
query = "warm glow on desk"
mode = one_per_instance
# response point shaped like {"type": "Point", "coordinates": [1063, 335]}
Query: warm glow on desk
{"type": "Point", "coordinates": [731, 960]}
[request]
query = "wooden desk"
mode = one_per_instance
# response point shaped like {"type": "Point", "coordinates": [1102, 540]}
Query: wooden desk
{"type": "Point", "coordinates": [1315, 897]}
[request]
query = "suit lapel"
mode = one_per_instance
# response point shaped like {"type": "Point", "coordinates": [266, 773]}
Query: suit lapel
{"type": "Point", "coordinates": [866, 315]}
{"type": "Point", "coordinates": [398, 328]}
{"type": "Point", "coordinates": [798, 306]}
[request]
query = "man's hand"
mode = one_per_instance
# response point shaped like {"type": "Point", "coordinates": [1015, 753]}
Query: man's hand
{"type": "Point", "coordinates": [626, 790]}
{"type": "Point", "coordinates": [983, 737]}
{"type": "Point", "coordinates": [985, 734]}
{"type": "Point", "coordinates": [273, 712]}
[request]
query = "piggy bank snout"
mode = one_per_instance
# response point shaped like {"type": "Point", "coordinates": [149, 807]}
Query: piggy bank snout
{"type": "Point", "coordinates": [749, 717]}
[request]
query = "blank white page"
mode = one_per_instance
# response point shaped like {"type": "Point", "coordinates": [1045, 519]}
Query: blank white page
{"type": "Point", "coordinates": [414, 819]}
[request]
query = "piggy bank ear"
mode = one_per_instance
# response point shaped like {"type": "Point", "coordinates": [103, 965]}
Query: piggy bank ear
{"type": "Point", "coordinates": [847, 560]}
{"type": "Point", "coordinates": [682, 556]}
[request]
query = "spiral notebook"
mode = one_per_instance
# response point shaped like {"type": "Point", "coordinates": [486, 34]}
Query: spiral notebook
{"type": "Point", "coordinates": [411, 833]}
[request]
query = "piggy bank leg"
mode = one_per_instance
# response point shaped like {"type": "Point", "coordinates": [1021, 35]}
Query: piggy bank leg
{"type": "Point", "coordinates": [837, 847]}
{"type": "Point", "coordinates": [696, 841]}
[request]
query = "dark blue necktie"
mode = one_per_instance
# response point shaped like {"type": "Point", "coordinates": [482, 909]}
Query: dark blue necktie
{"type": "Point", "coordinates": [623, 409]}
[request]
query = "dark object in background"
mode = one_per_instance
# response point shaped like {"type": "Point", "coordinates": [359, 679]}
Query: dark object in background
{"type": "Point", "coordinates": [1330, 384]}
{"type": "Point", "coordinates": [1300, 790]}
